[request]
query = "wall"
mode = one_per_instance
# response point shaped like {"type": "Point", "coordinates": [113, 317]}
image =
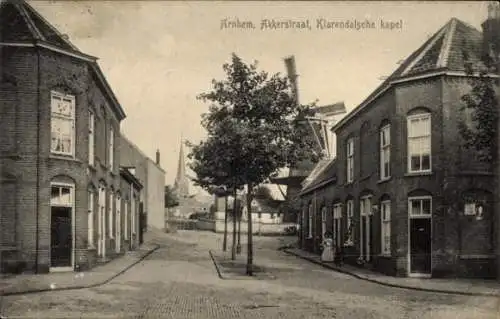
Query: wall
{"type": "Point", "coordinates": [455, 173]}
{"type": "Point", "coordinates": [131, 156]}
{"type": "Point", "coordinates": [33, 75]}
{"type": "Point", "coordinates": [257, 228]}
{"type": "Point", "coordinates": [155, 196]}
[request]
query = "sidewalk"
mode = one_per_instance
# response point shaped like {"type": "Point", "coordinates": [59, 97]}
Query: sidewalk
{"type": "Point", "coordinates": [30, 283]}
{"type": "Point", "coordinates": [468, 287]}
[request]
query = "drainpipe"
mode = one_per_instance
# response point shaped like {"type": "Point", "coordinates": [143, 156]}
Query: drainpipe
{"type": "Point", "coordinates": [37, 191]}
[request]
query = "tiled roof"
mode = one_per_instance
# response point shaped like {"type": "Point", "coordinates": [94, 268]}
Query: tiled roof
{"type": "Point", "coordinates": [451, 48]}
{"type": "Point", "coordinates": [24, 23]}
{"type": "Point", "coordinates": [327, 175]}
{"type": "Point", "coordinates": [21, 23]}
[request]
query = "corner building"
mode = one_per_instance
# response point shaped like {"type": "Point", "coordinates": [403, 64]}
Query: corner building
{"type": "Point", "coordinates": [61, 192]}
{"type": "Point", "coordinates": [410, 198]}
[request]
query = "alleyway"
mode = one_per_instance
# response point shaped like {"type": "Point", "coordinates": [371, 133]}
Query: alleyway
{"type": "Point", "coordinates": [179, 281]}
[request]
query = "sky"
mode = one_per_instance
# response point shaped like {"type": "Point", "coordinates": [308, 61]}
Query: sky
{"type": "Point", "coordinates": [159, 55]}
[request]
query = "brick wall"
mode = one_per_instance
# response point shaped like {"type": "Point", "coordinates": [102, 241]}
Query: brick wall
{"type": "Point", "coordinates": [455, 172]}
{"type": "Point", "coordinates": [28, 78]}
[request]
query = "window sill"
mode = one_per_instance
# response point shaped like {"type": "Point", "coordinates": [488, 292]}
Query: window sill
{"type": "Point", "coordinates": [385, 255]}
{"type": "Point", "coordinates": [91, 248]}
{"type": "Point", "coordinates": [384, 180]}
{"type": "Point", "coordinates": [64, 158]}
{"type": "Point", "coordinates": [413, 174]}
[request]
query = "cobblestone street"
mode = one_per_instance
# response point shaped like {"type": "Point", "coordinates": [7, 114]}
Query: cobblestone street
{"type": "Point", "coordinates": [180, 281]}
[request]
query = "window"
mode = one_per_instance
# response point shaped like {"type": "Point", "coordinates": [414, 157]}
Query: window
{"type": "Point", "coordinates": [419, 206]}
{"type": "Point", "coordinates": [385, 152]}
{"type": "Point", "coordinates": [111, 148]}
{"type": "Point", "coordinates": [62, 124]}
{"type": "Point", "coordinates": [91, 138]}
{"type": "Point", "coordinates": [365, 206]}
{"type": "Point", "coordinates": [350, 160]}
{"type": "Point", "coordinates": [419, 143]}
{"type": "Point", "coordinates": [337, 224]}
{"type": "Point", "coordinates": [350, 223]}
{"type": "Point", "coordinates": [61, 196]}
{"type": "Point", "coordinates": [110, 215]}
{"type": "Point", "coordinates": [90, 220]}
{"type": "Point", "coordinates": [310, 222]}
{"type": "Point", "coordinates": [323, 221]}
{"type": "Point", "coordinates": [385, 216]}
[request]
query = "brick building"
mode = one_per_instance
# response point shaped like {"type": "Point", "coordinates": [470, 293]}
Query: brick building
{"type": "Point", "coordinates": [406, 197]}
{"type": "Point", "coordinates": [61, 188]}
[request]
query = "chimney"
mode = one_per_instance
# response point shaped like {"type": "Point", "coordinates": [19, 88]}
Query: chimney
{"type": "Point", "coordinates": [491, 32]}
{"type": "Point", "coordinates": [157, 157]}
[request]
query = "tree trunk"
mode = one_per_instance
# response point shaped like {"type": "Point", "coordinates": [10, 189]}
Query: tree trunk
{"type": "Point", "coordinates": [238, 246]}
{"type": "Point", "coordinates": [224, 243]}
{"type": "Point", "coordinates": [249, 220]}
{"type": "Point", "coordinates": [233, 250]}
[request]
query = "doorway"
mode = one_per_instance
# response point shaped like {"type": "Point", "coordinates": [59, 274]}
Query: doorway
{"type": "Point", "coordinates": [118, 225]}
{"type": "Point", "coordinates": [365, 225]}
{"type": "Point", "coordinates": [420, 246]}
{"type": "Point", "coordinates": [61, 228]}
{"type": "Point", "coordinates": [101, 224]}
{"type": "Point", "coordinates": [61, 237]}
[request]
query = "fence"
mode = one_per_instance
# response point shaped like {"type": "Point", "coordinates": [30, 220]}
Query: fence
{"type": "Point", "coordinates": [217, 226]}
{"type": "Point", "coordinates": [172, 225]}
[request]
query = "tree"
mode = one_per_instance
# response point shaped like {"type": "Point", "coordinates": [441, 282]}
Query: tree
{"type": "Point", "coordinates": [215, 173]}
{"type": "Point", "coordinates": [254, 127]}
{"type": "Point", "coordinates": [171, 199]}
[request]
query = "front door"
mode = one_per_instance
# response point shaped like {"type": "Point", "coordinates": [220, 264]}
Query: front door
{"type": "Point", "coordinates": [61, 240]}
{"type": "Point", "coordinates": [101, 224]}
{"type": "Point", "coordinates": [118, 231]}
{"type": "Point", "coordinates": [420, 246]}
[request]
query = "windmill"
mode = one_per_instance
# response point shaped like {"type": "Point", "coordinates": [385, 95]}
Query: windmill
{"type": "Point", "coordinates": [320, 127]}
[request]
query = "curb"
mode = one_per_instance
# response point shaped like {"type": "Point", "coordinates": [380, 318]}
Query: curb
{"type": "Point", "coordinates": [236, 277]}
{"type": "Point", "coordinates": [219, 273]}
{"type": "Point", "coordinates": [32, 291]}
{"type": "Point", "coordinates": [382, 283]}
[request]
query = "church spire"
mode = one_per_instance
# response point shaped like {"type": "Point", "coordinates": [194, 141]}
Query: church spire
{"type": "Point", "coordinates": [181, 181]}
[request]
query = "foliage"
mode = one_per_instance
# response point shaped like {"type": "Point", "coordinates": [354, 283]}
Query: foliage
{"type": "Point", "coordinates": [254, 128]}
{"type": "Point", "coordinates": [480, 133]}
{"type": "Point", "coordinates": [171, 199]}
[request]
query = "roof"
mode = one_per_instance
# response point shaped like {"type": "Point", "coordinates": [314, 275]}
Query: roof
{"type": "Point", "coordinates": [326, 176]}
{"type": "Point", "coordinates": [453, 47]}
{"type": "Point", "coordinates": [332, 109]}
{"type": "Point", "coordinates": [129, 177]}
{"type": "Point", "coordinates": [22, 24]}
{"type": "Point", "coordinates": [315, 172]}
{"type": "Point", "coordinates": [132, 144]}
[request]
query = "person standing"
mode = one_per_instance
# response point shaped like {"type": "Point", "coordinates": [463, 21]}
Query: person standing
{"type": "Point", "coordinates": [328, 251]}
